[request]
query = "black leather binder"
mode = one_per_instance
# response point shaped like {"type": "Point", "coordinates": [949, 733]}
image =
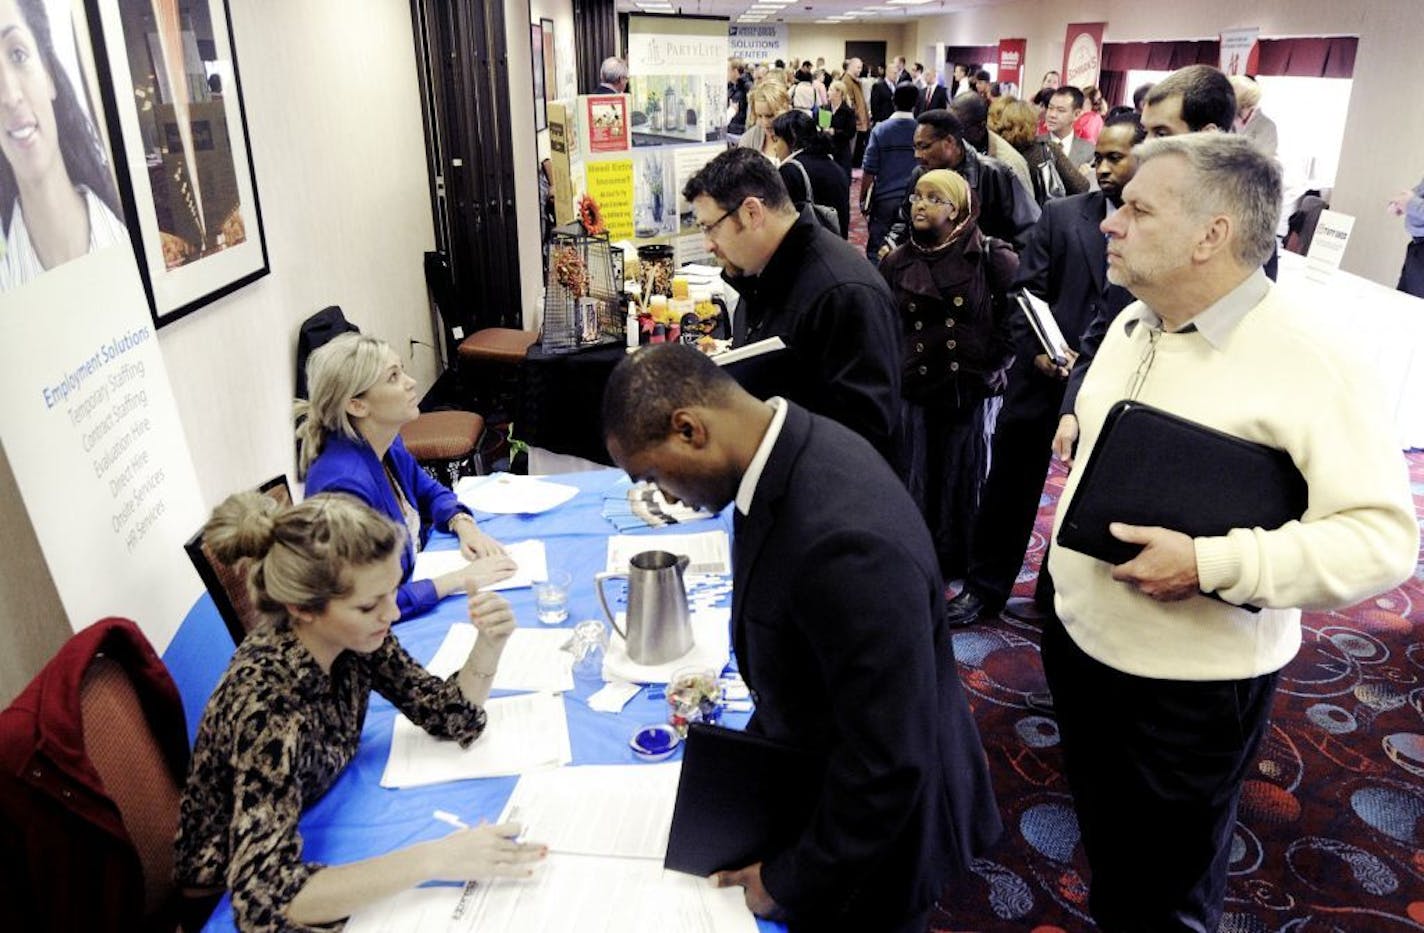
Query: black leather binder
{"type": "Point", "coordinates": [740, 798]}
{"type": "Point", "coordinates": [1150, 467]}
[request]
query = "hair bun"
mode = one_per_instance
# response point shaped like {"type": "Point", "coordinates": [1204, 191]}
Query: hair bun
{"type": "Point", "coordinates": [244, 525]}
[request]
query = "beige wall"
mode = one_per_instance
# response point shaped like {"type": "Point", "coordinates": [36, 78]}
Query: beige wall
{"type": "Point", "coordinates": [1388, 63]}
{"type": "Point", "coordinates": [31, 618]}
{"type": "Point", "coordinates": [333, 113]}
{"type": "Point", "coordinates": [811, 41]}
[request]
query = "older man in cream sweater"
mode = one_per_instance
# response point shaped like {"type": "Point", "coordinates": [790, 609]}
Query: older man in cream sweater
{"type": "Point", "coordinates": [1163, 694]}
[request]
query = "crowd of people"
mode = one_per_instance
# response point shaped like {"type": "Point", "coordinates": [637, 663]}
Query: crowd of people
{"type": "Point", "coordinates": [902, 442]}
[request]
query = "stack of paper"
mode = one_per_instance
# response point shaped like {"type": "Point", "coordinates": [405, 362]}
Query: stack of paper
{"type": "Point", "coordinates": [524, 733]}
{"type": "Point", "coordinates": [607, 828]}
{"type": "Point", "coordinates": [642, 505]}
{"type": "Point", "coordinates": [710, 551]}
{"type": "Point", "coordinates": [533, 659]}
{"type": "Point", "coordinates": [528, 556]}
{"type": "Point", "coordinates": [511, 494]}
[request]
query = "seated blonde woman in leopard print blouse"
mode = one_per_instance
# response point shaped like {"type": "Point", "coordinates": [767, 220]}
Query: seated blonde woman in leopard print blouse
{"type": "Point", "coordinates": [286, 718]}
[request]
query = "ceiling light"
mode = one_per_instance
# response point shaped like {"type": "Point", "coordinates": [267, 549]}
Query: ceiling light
{"type": "Point", "coordinates": [906, 2]}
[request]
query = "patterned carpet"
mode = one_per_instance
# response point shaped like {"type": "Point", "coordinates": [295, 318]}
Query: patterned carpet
{"type": "Point", "coordinates": [1330, 835]}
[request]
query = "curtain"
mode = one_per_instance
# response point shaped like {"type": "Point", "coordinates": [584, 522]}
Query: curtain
{"type": "Point", "coordinates": [595, 38]}
{"type": "Point", "coordinates": [1312, 57]}
{"type": "Point", "coordinates": [1113, 84]}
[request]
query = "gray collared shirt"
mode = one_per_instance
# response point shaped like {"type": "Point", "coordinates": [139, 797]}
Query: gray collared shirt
{"type": "Point", "coordinates": [1217, 322]}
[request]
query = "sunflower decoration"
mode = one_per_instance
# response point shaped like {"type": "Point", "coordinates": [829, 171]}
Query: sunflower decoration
{"type": "Point", "coordinates": [590, 215]}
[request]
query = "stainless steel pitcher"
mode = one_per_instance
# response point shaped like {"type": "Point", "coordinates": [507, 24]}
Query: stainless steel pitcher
{"type": "Point", "coordinates": [659, 628]}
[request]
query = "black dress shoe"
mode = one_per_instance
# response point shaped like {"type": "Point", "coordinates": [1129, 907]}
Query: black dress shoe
{"type": "Point", "coordinates": [963, 609]}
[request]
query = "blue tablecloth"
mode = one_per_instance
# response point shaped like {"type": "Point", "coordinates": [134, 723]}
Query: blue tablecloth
{"type": "Point", "coordinates": [358, 818]}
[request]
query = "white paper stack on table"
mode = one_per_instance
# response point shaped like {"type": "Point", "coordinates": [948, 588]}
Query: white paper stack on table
{"type": "Point", "coordinates": [525, 732]}
{"type": "Point", "coordinates": [529, 557]}
{"type": "Point", "coordinates": [607, 828]}
{"type": "Point", "coordinates": [533, 659]}
{"type": "Point", "coordinates": [511, 494]}
{"type": "Point", "coordinates": [709, 551]}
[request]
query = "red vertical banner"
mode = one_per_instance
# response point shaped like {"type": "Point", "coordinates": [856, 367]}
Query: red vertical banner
{"type": "Point", "coordinates": [1011, 56]}
{"type": "Point", "coordinates": [1082, 54]}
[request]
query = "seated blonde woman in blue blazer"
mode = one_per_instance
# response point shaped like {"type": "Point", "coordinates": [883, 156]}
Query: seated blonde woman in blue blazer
{"type": "Point", "coordinates": [348, 437]}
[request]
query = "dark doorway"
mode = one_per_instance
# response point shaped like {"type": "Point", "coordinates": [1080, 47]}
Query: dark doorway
{"type": "Point", "coordinates": [464, 86]}
{"type": "Point", "coordinates": [872, 53]}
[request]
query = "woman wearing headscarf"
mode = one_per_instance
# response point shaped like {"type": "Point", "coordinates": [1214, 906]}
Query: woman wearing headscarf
{"type": "Point", "coordinates": [950, 284]}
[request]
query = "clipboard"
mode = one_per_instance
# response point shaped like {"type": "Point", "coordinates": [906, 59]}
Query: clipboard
{"type": "Point", "coordinates": [740, 798]}
{"type": "Point", "coordinates": [1044, 326]}
{"type": "Point", "coordinates": [1151, 467]}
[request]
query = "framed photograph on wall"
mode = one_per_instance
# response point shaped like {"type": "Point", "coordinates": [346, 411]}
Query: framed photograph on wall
{"type": "Point", "coordinates": [536, 48]}
{"type": "Point", "coordinates": [185, 165]}
{"type": "Point", "coordinates": [551, 56]}
{"type": "Point", "coordinates": [56, 141]}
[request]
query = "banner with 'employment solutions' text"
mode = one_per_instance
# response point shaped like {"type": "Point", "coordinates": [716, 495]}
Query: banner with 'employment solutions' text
{"type": "Point", "coordinates": [89, 423]}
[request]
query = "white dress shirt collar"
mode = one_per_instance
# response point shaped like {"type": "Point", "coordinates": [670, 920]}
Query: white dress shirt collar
{"type": "Point", "coordinates": [747, 490]}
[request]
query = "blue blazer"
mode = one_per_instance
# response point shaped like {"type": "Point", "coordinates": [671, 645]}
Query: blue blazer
{"type": "Point", "coordinates": [352, 467]}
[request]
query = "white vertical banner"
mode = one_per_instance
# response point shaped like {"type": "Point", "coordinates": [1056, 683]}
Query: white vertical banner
{"type": "Point", "coordinates": [1238, 50]}
{"type": "Point", "coordinates": [89, 423]}
{"type": "Point", "coordinates": [1327, 246]}
{"type": "Point", "coordinates": [757, 43]}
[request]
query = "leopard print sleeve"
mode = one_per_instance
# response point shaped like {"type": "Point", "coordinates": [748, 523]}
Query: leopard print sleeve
{"type": "Point", "coordinates": [436, 705]}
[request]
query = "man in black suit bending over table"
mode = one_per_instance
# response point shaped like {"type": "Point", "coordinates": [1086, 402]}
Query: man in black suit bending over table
{"type": "Point", "coordinates": [1065, 263]}
{"type": "Point", "coordinates": [837, 622]}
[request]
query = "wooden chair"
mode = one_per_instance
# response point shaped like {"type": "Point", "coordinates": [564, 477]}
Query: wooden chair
{"type": "Point", "coordinates": [446, 444]}
{"type": "Point", "coordinates": [487, 360]}
{"type": "Point", "coordinates": [227, 583]}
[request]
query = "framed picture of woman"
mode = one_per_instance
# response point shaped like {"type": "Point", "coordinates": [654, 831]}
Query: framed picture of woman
{"type": "Point", "coordinates": [180, 127]}
{"type": "Point", "coordinates": [58, 196]}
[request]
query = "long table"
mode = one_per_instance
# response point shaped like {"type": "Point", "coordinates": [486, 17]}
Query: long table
{"type": "Point", "coordinates": [358, 818]}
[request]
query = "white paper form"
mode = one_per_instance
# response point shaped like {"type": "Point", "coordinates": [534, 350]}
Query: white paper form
{"type": "Point", "coordinates": [603, 895]}
{"type": "Point", "coordinates": [532, 659]}
{"type": "Point", "coordinates": [623, 811]}
{"type": "Point", "coordinates": [567, 893]}
{"type": "Point", "coordinates": [510, 494]}
{"type": "Point", "coordinates": [710, 551]}
{"type": "Point", "coordinates": [524, 733]}
{"type": "Point", "coordinates": [529, 557]}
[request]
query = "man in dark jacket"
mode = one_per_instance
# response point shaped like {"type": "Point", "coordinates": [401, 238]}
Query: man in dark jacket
{"type": "Point", "coordinates": [802, 283]}
{"type": "Point", "coordinates": [882, 99]}
{"type": "Point", "coordinates": [1065, 264]}
{"type": "Point", "coordinates": [837, 610]}
{"type": "Point", "coordinates": [1006, 211]}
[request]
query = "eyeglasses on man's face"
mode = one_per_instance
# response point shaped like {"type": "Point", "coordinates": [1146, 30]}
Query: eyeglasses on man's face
{"type": "Point", "coordinates": [706, 229]}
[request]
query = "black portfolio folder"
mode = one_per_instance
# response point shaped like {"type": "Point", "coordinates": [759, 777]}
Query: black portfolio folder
{"type": "Point", "coordinates": [1150, 467]}
{"type": "Point", "coordinates": [740, 798]}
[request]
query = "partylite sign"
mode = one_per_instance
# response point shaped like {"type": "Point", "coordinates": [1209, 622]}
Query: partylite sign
{"type": "Point", "coordinates": [1082, 54]}
{"type": "Point", "coordinates": [758, 43]}
{"type": "Point", "coordinates": [654, 53]}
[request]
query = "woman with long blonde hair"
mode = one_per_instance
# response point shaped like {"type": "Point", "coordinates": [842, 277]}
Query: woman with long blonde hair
{"type": "Point", "coordinates": [348, 436]}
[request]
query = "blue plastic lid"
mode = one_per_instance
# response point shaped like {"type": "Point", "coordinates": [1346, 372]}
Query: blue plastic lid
{"type": "Point", "coordinates": [656, 741]}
